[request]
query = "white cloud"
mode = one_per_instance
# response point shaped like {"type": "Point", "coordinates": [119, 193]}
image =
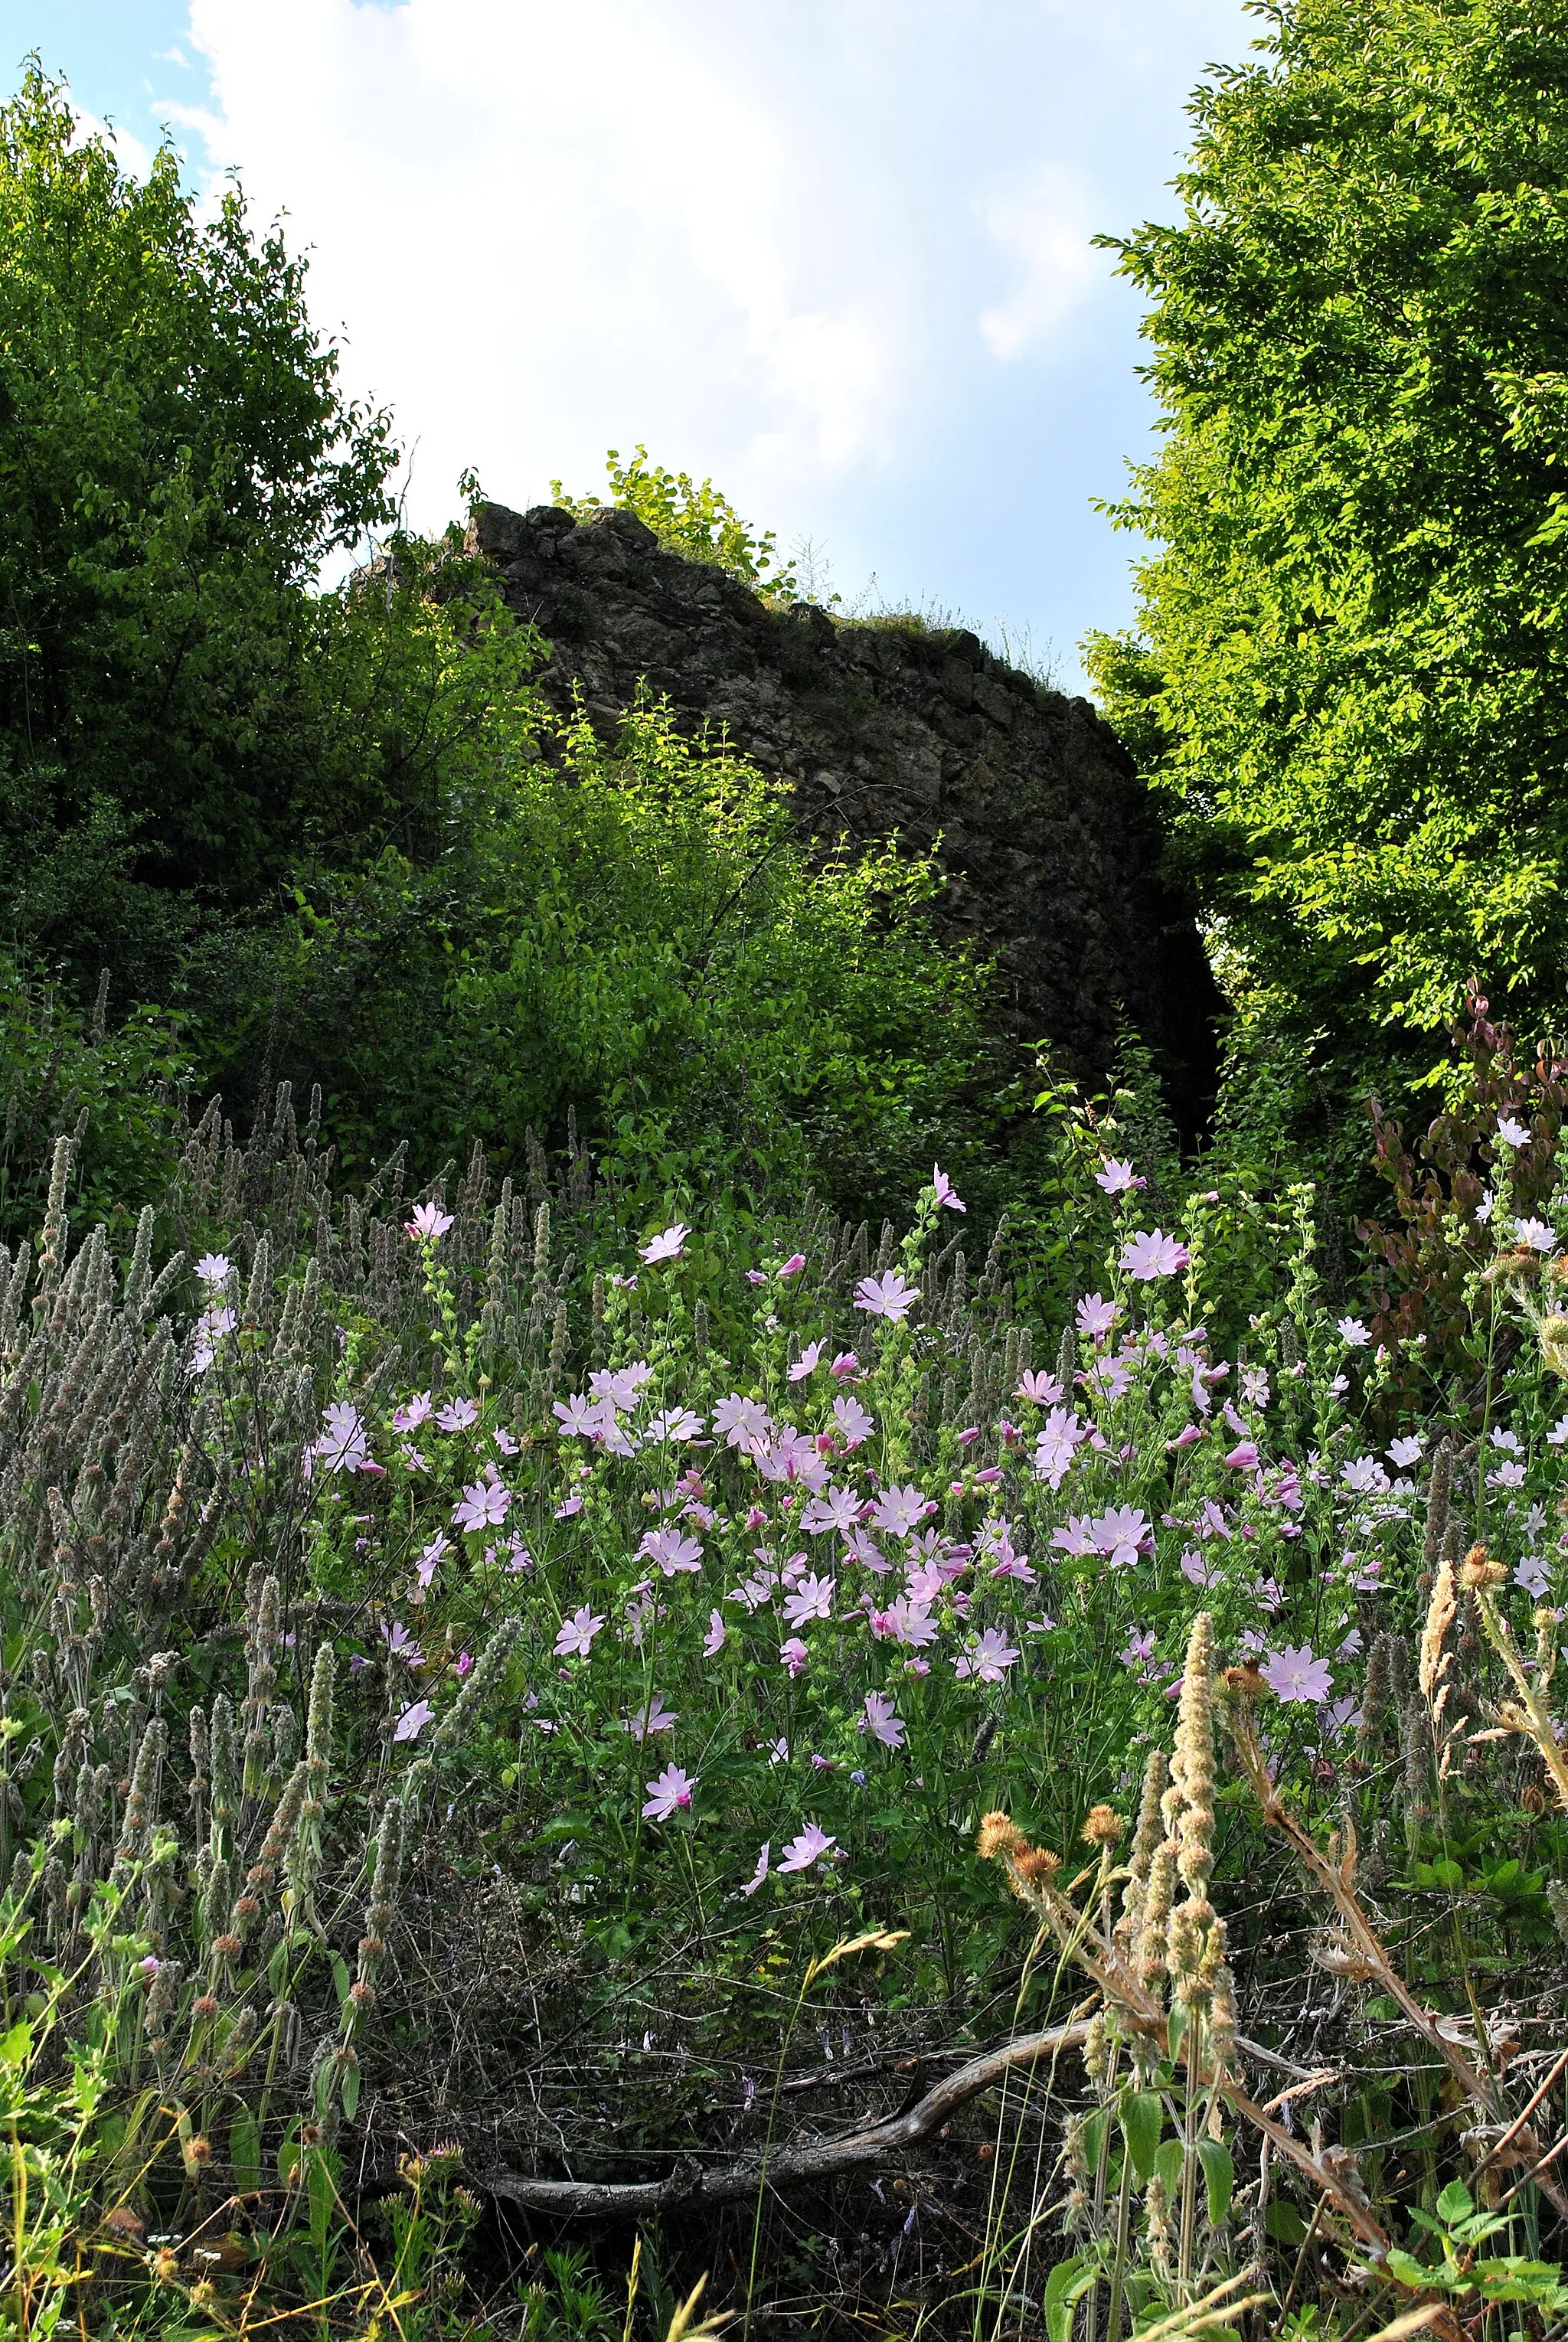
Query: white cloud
{"type": "Point", "coordinates": [549, 230]}
{"type": "Point", "coordinates": [1044, 227]}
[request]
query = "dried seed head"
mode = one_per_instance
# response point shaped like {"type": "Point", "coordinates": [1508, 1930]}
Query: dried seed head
{"type": "Point", "coordinates": [1037, 1865]}
{"type": "Point", "coordinates": [999, 1835]}
{"type": "Point", "coordinates": [1553, 1336]}
{"type": "Point", "coordinates": [1440, 1615]}
{"type": "Point", "coordinates": [1105, 1827]}
{"type": "Point", "coordinates": [1246, 1681]}
{"type": "Point", "coordinates": [1478, 1570]}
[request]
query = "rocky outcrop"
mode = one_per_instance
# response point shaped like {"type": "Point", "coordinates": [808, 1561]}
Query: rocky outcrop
{"type": "Point", "coordinates": [1040, 823]}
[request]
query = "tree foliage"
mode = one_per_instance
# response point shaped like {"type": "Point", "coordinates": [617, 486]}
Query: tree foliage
{"type": "Point", "coordinates": [696, 521]}
{"type": "Point", "coordinates": [176, 461]}
{"type": "Point", "coordinates": [1351, 667]}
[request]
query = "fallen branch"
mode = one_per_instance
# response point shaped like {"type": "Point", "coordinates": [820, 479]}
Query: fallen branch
{"type": "Point", "coordinates": [820, 2158]}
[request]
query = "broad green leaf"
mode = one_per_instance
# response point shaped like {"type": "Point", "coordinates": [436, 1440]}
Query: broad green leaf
{"type": "Point", "coordinates": [1219, 2176]}
{"type": "Point", "coordinates": [1065, 2287]}
{"type": "Point", "coordinates": [1455, 2203]}
{"type": "Point", "coordinates": [1143, 2119]}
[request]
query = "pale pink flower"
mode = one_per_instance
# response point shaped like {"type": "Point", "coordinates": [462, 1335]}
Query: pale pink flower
{"type": "Point", "coordinates": [653, 1717]}
{"type": "Point", "coordinates": [807, 1362]}
{"type": "Point", "coordinates": [855, 1426]}
{"type": "Point", "coordinates": [812, 1598]}
{"type": "Point", "coordinates": [713, 1640]}
{"type": "Point", "coordinates": [484, 1505]}
{"type": "Point", "coordinates": [741, 1421]}
{"type": "Point", "coordinates": [342, 1447]}
{"type": "Point", "coordinates": [1512, 1132]}
{"type": "Point", "coordinates": [1406, 1452]}
{"type": "Point", "coordinates": [837, 1509]}
{"type": "Point", "coordinates": [942, 1190]}
{"type": "Point", "coordinates": [899, 1510]}
{"type": "Point", "coordinates": [794, 1655]}
{"type": "Point", "coordinates": [214, 1268]}
{"type": "Point", "coordinates": [1043, 1389]}
{"type": "Point", "coordinates": [844, 1364]}
{"type": "Point", "coordinates": [1293, 1674]}
{"type": "Point", "coordinates": [668, 1244]}
{"type": "Point", "coordinates": [882, 1720]}
{"type": "Point", "coordinates": [805, 1849]}
{"type": "Point", "coordinates": [400, 1643]}
{"type": "Point", "coordinates": [575, 1638]}
{"type": "Point", "coordinates": [674, 1426]}
{"type": "Point", "coordinates": [1243, 1457]}
{"type": "Point", "coordinates": [1119, 1534]}
{"type": "Point", "coordinates": [429, 1222]}
{"type": "Point", "coordinates": [1353, 1333]}
{"type": "Point", "coordinates": [670, 1794]}
{"type": "Point", "coordinates": [672, 1552]}
{"type": "Point", "coordinates": [911, 1623]}
{"type": "Point", "coordinates": [1095, 1317]}
{"type": "Point", "coordinates": [457, 1415]}
{"type": "Point", "coordinates": [413, 1720]}
{"type": "Point", "coordinates": [761, 1872]}
{"type": "Point", "coordinates": [413, 1413]}
{"type": "Point", "coordinates": [793, 1265]}
{"type": "Point", "coordinates": [1117, 1178]}
{"type": "Point", "coordinates": [886, 1296]}
{"type": "Point", "coordinates": [1151, 1253]}
{"type": "Point", "coordinates": [439, 1545]}
{"type": "Point", "coordinates": [988, 1658]}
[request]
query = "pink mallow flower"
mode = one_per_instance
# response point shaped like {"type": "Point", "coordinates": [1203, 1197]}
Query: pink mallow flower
{"type": "Point", "coordinates": [808, 1847]}
{"type": "Point", "coordinates": [413, 1720]}
{"type": "Point", "coordinates": [1151, 1253]}
{"type": "Point", "coordinates": [429, 1223]}
{"type": "Point", "coordinates": [807, 1362]}
{"type": "Point", "coordinates": [989, 1658]}
{"type": "Point", "coordinates": [793, 1265]}
{"type": "Point", "coordinates": [575, 1638]}
{"type": "Point", "coordinates": [484, 1505]}
{"type": "Point", "coordinates": [761, 1872]}
{"type": "Point", "coordinates": [886, 1296]}
{"type": "Point", "coordinates": [942, 1190]}
{"type": "Point", "coordinates": [882, 1720]}
{"type": "Point", "coordinates": [670, 1794]}
{"type": "Point", "coordinates": [794, 1655]}
{"type": "Point", "coordinates": [668, 1244]}
{"type": "Point", "coordinates": [1117, 1178]}
{"type": "Point", "coordinates": [1296, 1674]}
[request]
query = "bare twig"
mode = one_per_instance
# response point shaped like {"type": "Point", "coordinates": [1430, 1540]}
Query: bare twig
{"type": "Point", "coordinates": [814, 2160]}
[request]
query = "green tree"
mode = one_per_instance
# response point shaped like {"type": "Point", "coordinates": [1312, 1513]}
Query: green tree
{"type": "Point", "coordinates": [176, 462]}
{"type": "Point", "coordinates": [1352, 666]}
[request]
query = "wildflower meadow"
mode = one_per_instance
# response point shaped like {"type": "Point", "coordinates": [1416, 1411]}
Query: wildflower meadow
{"type": "Point", "coordinates": [503, 1712]}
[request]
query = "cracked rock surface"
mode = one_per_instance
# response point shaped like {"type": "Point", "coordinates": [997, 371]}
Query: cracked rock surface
{"type": "Point", "coordinates": [1043, 831]}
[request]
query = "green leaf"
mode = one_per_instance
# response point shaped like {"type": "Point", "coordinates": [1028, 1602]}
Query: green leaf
{"type": "Point", "coordinates": [245, 2153]}
{"type": "Point", "coordinates": [1219, 2177]}
{"type": "Point", "coordinates": [1143, 2119]}
{"type": "Point", "coordinates": [350, 2090]}
{"type": "Point", "coordinates": [1170, 2161]}
{"type": "Point", "coordinates": [1408, 2270]}
{"type": "Point", "coordinates": [1455, 2203]}
{"type": "Point", "coordinates": [16, 2045]}
{"type": "Point", "coordinates": [1284, 2222]}
{"type": "Point", "coordinates": [1065, 2287]}
{"type": "Point", "coordinates": [342, 1980]}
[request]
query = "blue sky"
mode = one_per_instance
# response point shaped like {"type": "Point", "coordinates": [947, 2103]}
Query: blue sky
{"type": "Point", "coordinates": [836, 254]}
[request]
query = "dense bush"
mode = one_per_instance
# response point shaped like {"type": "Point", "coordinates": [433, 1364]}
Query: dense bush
{"type": "Point", "coordinates": [539, 1715]}
{"type": "Point", "coordinates": [1349, 668]}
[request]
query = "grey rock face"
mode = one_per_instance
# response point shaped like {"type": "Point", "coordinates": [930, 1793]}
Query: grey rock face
{"type": "Point", "coordinates": [1044, 833]}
